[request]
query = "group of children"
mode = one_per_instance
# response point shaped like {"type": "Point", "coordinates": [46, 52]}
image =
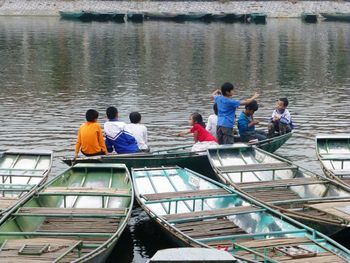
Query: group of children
{"type": "Point", "coordinates": [119, 136]}
{"type": "Point", "coordinates": [131, 138]}
{"type": "Point", "coordinates": [220, 126]}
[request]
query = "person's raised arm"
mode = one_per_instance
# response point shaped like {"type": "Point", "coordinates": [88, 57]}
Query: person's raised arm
{"type": "Point", "coordinates": [216, 92]}
{"type": "Point", "coordinates": [247, 101]}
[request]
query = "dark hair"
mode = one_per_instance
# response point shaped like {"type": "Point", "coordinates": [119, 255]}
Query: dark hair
{"type": "Point", "coordinates": [135, 117]}
{"type": "Point", "coordinates": [253, 105]}
{"type": "Point", "coordinates": [285, 101]}
{"type": "Point", "coordinates": [226, 87]}
{"type": "Point", "coordinates": [91, 115]}
{"type": "Point", "coordinates": [111, 112]}
{"type": "Point", "coordinates": [197, 118]}
{"type": "Point", "coordinates": [215, 108]}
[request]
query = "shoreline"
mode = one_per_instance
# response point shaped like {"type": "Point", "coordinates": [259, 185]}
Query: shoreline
{"type": "Point", "coordinates": [273, 9]}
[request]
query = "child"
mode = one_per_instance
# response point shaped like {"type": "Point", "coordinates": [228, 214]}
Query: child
{"type": "Point", "coordinates": [117, 138]}
{"type": "Point", "coordinates": [90, 138]}
{"type": "Point", "coordinates": [202, 138]}
{"type": "Point", "coordinates": [281, 120]}
{"type": "Point", "coordinates": [226, 112]}
{"type": "Point", "coordinates": [212, 121]}
{"type": "Point", "coordinates": [246, 124]}
{"type": "Point", "coordinates": [138, 130]}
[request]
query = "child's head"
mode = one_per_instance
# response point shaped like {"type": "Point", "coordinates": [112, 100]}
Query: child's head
{"type": "Point", "coordinates": [135, 117]}
{"type": "Point", "coordinates": [215, 108]}
{"type": "Point", "coordinates": [196, 118]}
{"type": "Point", "coordinates": [91, 115]}
{"type": "Point", "coordinates": [112, 113]}
{"type": "Point", "coordinates": [282, 103]}
{"type": "Point", "coordinates": [251, 107]}
{"type": "Point", "coordinates": [227, 89]}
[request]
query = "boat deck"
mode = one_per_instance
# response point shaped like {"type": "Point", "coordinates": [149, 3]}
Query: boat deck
{"type": "Point", "coordinates": [6, 202]}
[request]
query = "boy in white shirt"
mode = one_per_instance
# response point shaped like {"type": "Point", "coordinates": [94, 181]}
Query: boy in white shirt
{"type": "Point", "coordinates": [138, 130]}
{"type": "Point", "coordinates": [281, 121]}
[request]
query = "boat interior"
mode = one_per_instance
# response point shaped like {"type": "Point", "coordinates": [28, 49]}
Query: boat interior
{"type": "Point", "coordinates": [70, 217]}
{"type": "Point", "coordinates": [281, 183]}
{"type": "Point", "coordinates": [202, 211]}
{"type": "Point", "coordinates": [19, 172]}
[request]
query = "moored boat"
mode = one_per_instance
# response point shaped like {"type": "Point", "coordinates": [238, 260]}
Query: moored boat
{"type": "Point", "coordinates": [180, 156]}
{"type": "Point", "coordinates": [333, 151]}
{"type": "Point", "coordinates": [20, 172]}
{"type": "Point", "coordinates": [76, 217]}
{"type": "Point", "coordinates": [337, 16]}
{"type": "Point", "coordinates": [196, 211]}
{"type": "Point", "coordinates": [76, 15]}
{"type": "Point", "coordinates": [160, 16]}
{"type": "Point", "coordinates": [135, 17]}
{"type": "Point", "coordinates": [312, 199]}
{"type": "Point", "coordinates": [309, 17]}
{"type": "Point", "coordinates": [258, 18]}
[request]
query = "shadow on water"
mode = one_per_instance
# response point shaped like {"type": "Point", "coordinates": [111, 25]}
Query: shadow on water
{"type": "Point", "coordinates": [141, 239]}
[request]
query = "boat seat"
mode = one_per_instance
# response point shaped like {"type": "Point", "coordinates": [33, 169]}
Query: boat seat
{"type": "Point", "coordinates": [212, 213]}
{"type": "Point", "coordinates": [341, 172]}
{"type": "Point", "coordinates": [6, 202]}
{"type": "Point", "coordinates": [280, 183]}
{"type": "Point", "coordinates": [255, 167]}
{"type": "Point", "coordinates": [271, 242]}
{"type": "Point", "coordinates": [90, 191]}
{"type": "Point", "coordinates": [185, 194]}
{"type": "Point", "coordinates": [335, 157]}
{"type": "Point", "coordinates": [58, 211]}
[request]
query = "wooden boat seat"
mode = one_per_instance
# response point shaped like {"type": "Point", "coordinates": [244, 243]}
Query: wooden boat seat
{"type": "Point", "coordinates": [276, 195]}
{"type": "Point", "coordinates": [210, 228]}
{"type": "Point", "coordinates": [6, 202]}
{"type": "Point", "coordinates": [212, 213]}
{"type": "Point", "coordinates": [86, 191]}
{"type": "Point", "coordinates": [271, 242]}
{"type": "Point", "coordinates": [56, 211]}
{"type": "Point", "coordinates": [184, 194]}
{"type": "Point", "coordinates": [333, 208]}
{"type": "Point", "coordinates": [335, 157]}
{"type": "Point", "coordinates": [281, 183]}
{"type": "Point", "coordinates": [9, 252]}
{"type": "Point", "coordinates": [255, 167]}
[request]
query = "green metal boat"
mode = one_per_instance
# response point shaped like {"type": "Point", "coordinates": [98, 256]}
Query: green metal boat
{"type": "Point", "coordinates": [337, 16]}
{"type": "Point", "coordinates": [21, 171]}
{"type": "Point", "coordinates": [76, 217]}
{"type": "Point", "coordinates": [196, 211]}
{"type": "Point", "coordinates": [312, 199]}
{"type": "Point", "coordinates": [333, 151]}
{"type": "Point", "coordinates": [180, 156]}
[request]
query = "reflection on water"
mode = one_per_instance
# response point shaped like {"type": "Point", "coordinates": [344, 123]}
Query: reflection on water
{"type": "Point", "coordinates": [52, 71]}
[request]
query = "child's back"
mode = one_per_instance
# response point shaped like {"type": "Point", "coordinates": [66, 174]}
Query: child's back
{"type": "Point", "coordinates": [117, 138]}
{"type": "Point", "coordinates": [90, 138]}
{"type": "Point", "coordinates": [138, 130]}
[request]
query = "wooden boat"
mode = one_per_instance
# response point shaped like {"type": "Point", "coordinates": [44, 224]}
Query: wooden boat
{"type": "Point", "coordinates": [312, 199]}
{"type": "Point", "coordinates": [20, 172]}
{"type": "Point", "coordinates": [196, 211]}
{"type": "Point", "coordinates": [309, 17]}
{"type": "Point", "coordinates": [76, 217]}
{"type": "Point", "coordinates": [333, 151]}
{"type": "Point", "coordinates": [191, 16]}
{"type": "Point", "coordinates": [76, 15]}
{"type": "Point", "coordinates": [337, 16]}
{"type": "Point", "coordinates": [225, 17]}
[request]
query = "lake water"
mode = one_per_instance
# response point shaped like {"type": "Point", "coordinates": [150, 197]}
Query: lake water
{"type": "Point", "coordinates": [52, 71]}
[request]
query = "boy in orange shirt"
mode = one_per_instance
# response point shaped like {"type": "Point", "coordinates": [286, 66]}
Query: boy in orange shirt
{"type": "Point", "coordinates": [90, 138]}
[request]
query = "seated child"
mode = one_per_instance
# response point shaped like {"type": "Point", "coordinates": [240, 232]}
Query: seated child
{"type": "Point", "coordinates": [202, 138]}
{"type": "Point", "coordinates": [281, 121]}
{"type": "Point", "coordinates": [117, 138]}
{"type": "Point", "coordinates": [90, 138]}
{"type": "Point", "coordinates": [138, 130]}
{"type": "Point", "coordinates": [246, 124]}
{"type": "Point", "coordinates": [213, 121]}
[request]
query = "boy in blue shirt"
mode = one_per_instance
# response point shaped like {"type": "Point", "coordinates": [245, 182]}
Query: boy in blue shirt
{"type": "Point", "coordinates": [246, 124]}
{"type": "Point", "coordinates": [226, 112]}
